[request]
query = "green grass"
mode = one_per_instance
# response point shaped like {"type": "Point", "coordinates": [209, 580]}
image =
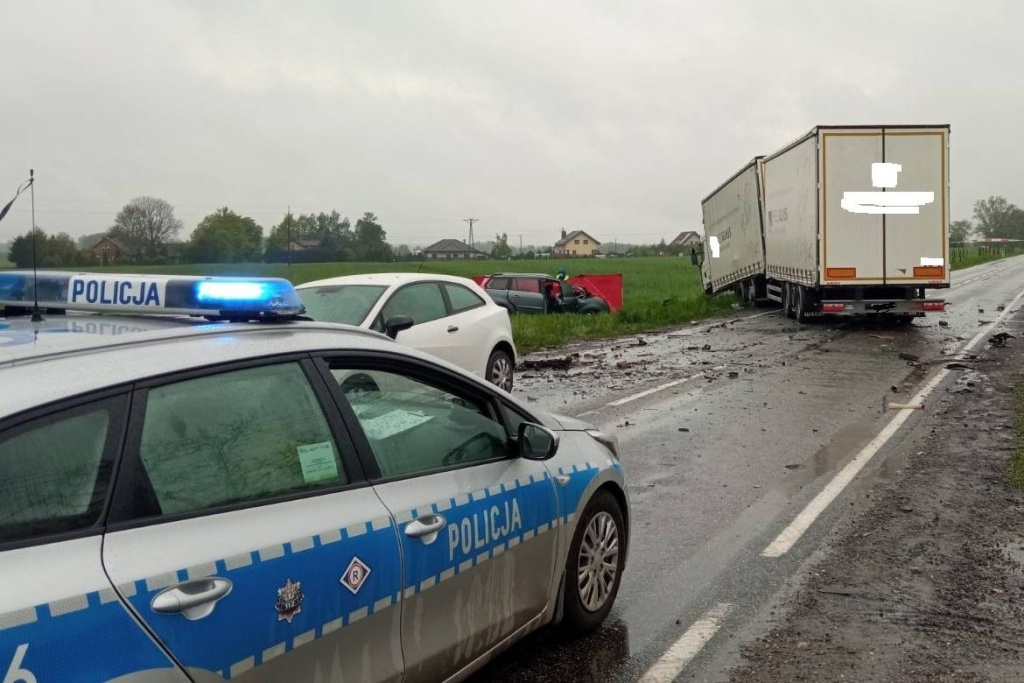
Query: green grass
{"type": "Point", "coordinates": [658, 292]}
{"type": "Point", "coordinates": [1017, 464]}
{"type": "Point", "coordinates": [965, 257]}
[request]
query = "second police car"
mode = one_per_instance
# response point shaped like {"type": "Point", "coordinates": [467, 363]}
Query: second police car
{"type": "Point", "coordinates": [183, 499]}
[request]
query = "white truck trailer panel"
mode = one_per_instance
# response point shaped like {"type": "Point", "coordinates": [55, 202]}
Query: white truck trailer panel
{"type": "Point", "coordinates": [811, 238]}
{"type": "Point", "coordinates": [790, 182]}
{"type": "Point", "coordinates": [733, 244]}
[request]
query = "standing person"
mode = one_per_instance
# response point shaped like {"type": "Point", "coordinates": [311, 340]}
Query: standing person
{"type": "Point", "coordinates": [553, 294]}
{"type": "Point", "coordinates": [562, 275]}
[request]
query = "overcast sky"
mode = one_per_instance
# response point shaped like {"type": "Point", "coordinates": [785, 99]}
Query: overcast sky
{"type": "Point", "coordinates": [614, 117]}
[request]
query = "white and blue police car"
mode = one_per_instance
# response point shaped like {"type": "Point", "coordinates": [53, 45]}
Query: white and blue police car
{"type": "Point", "coordinates": [194, 488]}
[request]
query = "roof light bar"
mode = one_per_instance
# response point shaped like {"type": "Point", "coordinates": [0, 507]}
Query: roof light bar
{"type": "Point", "coordinates": [219, 297]}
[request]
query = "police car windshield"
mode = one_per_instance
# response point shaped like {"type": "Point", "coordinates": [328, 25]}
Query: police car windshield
{"type": "Point", "coordinates": [347, 304]}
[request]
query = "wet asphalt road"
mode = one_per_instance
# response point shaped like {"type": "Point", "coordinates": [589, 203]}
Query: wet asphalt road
{"type": "Point", "coordinates": [749, 417]}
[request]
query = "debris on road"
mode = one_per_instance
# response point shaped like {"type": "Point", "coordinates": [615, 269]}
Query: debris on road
{"type": "Point", "coordinates": [943, 323]}
{"type": "Point", "coordinates": [1000, 339]}
{"type": "Point", "coordinates": [551, 363]}
{"type": "Point", "coordinates": [684, 429]}
{"type": "Point", "coordinates": [795, 466]}
{"type": "Point", "coordinates": [622, 365]}
{"type": "Point", "coordinates": [908, 357]}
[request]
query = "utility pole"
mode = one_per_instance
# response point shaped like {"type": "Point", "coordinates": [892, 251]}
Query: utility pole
{"type": "Point", "coordinates": [520, 245]}
{"type": "Point", "coordinates": [471, 221]}
{"type": "Point", "coordinates": [288, 219]}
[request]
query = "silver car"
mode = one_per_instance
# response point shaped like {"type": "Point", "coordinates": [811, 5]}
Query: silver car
{"type": "Point", "coordinates": [186, 500]}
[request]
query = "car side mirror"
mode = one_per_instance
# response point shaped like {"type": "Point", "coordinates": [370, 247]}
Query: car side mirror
{"type": "Point", "coordinates": [396, 324]}
{"type": "Point", "coordinates": [536, 442]}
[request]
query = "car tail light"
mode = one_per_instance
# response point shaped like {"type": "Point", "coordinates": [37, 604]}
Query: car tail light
{"type": "Point", "coordinates": [934, 305]}
{"type": "Point", "coordinates": [833, 308]}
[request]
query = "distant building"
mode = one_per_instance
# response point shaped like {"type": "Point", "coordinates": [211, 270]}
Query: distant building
{"type": "Point", "coordinates": [304, 245]}
{"type": "Point", "coordinates": [450, 250]}
{"type": "Point", "coordinates": [576, 244]}
{"type": "Point", "coordinates": [687, 238]}
{"type": "Point", "coordinates": [106, 250]}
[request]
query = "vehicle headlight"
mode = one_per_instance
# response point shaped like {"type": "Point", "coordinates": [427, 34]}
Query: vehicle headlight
{"type": "Point", "coordinates": [607, 440]}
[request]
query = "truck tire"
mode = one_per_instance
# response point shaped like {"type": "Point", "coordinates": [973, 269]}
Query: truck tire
{"type": "Point", "coordinates": [801, 305]}
{"type": "Point", "coordinates": [590, 585]}
{"type": "Point", "coordinates": [787, 300]}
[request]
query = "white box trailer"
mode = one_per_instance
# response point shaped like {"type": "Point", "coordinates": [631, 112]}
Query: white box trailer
{"type": "Point", "coordinates": [855, 222]}
{"type": "Point", "coordinates": [733, 235]}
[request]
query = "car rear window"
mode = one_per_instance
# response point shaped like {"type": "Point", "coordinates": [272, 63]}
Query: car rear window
{"type": "Point", "coordinates": [348, 304]}
{"type": "Point", "coordinates": [527, 284]}
{"type": "Point", "coordinates": [497, 283]}
{"type": "Point", "coordinates": [55, 470]}
{"type": "Point", "coordinates": [461, 298]}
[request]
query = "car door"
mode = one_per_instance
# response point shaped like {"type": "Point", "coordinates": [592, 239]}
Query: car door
{"type": "Point", "coordinates": [468, 327]}
{"type": "Point", "coordinates": [570, 300]}
{"type": "Point", "coordinates": [244, 536]}
{"type": "Point", "coordinates": [60, 619]}
{"type": "Point", "coordinates": [526, 295]}
{"type": "Point", "coordinates": [477, 524]}
{"type": "Point", "coordinates": [431, 332]}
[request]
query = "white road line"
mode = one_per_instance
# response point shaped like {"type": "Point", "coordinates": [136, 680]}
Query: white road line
{"type": "Point", "coordinates": [803, 521]}
{"type": "Point", "coordinates": [689, 644]}
{"type": "Point", "coordinates": [661, 387]}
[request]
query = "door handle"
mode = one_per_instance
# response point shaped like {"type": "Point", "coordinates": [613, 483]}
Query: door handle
{"type": "Point", "coordinates": [453, 328]}
{"type": "Point", "coordinates": [425, 528]}
{"type": "Point", "coordinates": [193, 599]}
{"type": "Point", "coordinates": [515, 296]}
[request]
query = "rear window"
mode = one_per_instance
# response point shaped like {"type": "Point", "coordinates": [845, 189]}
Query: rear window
{"type": "Point", "coordinates": [527, 284]}
{"type": "Point", "coordinates": [461, 298]}
{"type": "Point", "coordinates": [55, 470]}
{"type": "Point", "coordinates": [497, 283]}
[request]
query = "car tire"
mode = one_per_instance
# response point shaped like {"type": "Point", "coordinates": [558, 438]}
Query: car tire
{"type": "Point", "coordinates": [501, 370]}
{"type": "Point", "coordinates": [590, 587]}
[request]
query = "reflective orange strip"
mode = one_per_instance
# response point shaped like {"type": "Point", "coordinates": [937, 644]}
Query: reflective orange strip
{"type": "Point", "coordinates": [840, 273]}
{"type": "Point", "coordinates": [929, 271]}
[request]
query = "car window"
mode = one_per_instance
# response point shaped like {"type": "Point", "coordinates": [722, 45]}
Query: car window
{"type": "Point", "coordinates": [236, 436]}
{"type": "Point", "coordinates": [415, 427]}
{"type": "Point", "coordinates": [461, 298]}
{"type": "Point", "coordinates": [348, 304]}
{"type": "Point", "coordinates": [53, 474]}
{"type": "Point", "coordinates": [527, 284]}
{"type": "Point", "coordinates": [497, 283]}
{"type": "Point", "coordinates": [421, 301]}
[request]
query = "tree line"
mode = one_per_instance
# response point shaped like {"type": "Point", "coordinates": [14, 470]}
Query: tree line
{"type": "Point", "coordinates": [146, 231]}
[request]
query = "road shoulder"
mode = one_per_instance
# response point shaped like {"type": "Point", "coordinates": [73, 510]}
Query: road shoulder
{"type": "Point", "coordinates": [927, 583]}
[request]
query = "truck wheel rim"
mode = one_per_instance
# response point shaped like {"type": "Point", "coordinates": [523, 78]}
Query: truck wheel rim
{"type": "Point", "coordinates": [501, 373]}
{"type": "Point", "coordinates": [598, 562]}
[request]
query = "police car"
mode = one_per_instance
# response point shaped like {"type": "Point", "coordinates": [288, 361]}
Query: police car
{"type": "Point", "coordinates": [187, 492]}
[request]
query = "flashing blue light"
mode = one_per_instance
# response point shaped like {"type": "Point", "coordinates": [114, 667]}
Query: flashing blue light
{"type": "Point", "coordinates": [237, 298]}
{"type": "Point", "coordinates": [230, 291]}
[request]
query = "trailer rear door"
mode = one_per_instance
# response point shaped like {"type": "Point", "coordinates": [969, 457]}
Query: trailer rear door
{"type": "Point", "coordinates": [915, 244]}
{"type": "Point", "coordinates": [852, 244]}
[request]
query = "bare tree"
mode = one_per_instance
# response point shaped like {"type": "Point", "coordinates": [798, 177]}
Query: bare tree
{"type": "Point", "coordinates": [145, 226]}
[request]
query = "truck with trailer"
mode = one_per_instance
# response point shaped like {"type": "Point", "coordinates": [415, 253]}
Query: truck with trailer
{"type": "Point", "coordinates": [852, 221]}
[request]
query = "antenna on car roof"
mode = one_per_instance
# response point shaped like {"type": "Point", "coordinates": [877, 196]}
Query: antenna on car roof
{"type": "Point", "coordinates": [30, 183]}
{"type": "Point", "coordinates": [36, 317]}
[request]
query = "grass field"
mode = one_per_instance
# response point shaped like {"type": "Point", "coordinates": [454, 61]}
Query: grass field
{"type": "Point", "coordinates": [658, 292]}
{"type": "Point", "coordinates": [972, 255]}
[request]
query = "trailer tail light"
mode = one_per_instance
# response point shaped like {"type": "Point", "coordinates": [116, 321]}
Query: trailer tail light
{"type": "Point", "coordinates": [929, 271]}
{"type": "Point", "coordinates": [833, 308]}
{"type": "Point", "coordinates": [840, 273]}
{"type": "Point", "coordinates": [934, 305]}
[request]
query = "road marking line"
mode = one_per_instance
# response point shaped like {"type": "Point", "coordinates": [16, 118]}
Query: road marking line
{"type": "Point", "coordinates": [661, 387]}
{"type": "Point", "coordinates": [792, 533]}
{"type": "Point", "coordinates": [689, 644]}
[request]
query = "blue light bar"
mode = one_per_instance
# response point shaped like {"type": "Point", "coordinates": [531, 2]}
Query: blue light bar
{"type": "Point", "coordinates": [213, 297]}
